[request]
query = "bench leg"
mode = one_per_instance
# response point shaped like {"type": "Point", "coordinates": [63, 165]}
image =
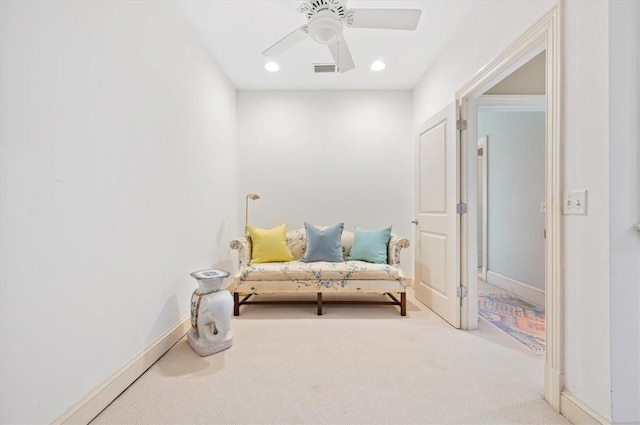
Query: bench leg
{"type": "Point", "coordinates": [403, 304]}
{"type": "Point", "coordinates": [236, 304]}
{"type": "Point", "coordinates": [319, 303]}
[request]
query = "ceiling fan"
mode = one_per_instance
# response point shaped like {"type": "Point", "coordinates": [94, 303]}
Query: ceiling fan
{"type": "Point", "coordinates": [325, 20]}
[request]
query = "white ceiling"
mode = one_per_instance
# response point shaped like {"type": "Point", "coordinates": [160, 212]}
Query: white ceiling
{"type": "Point", "coordinates": [237, 32]}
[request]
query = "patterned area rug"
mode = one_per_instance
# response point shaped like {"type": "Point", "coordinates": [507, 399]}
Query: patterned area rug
{"type": "Point", "coordinates": [521, 320]}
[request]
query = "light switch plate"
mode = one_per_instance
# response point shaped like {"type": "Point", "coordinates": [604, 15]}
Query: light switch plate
{"type": "Point", "coordinates": [575, 202]}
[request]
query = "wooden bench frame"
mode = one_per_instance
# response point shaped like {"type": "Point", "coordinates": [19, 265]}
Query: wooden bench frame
{"type": "Point", "coordinates": [237, 302]}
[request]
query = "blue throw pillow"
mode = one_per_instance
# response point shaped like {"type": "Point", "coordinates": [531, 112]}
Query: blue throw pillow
{"type": "Point", "coordinates": [323, 245]}
{"type": "Point", "coordinates": [370, 245]}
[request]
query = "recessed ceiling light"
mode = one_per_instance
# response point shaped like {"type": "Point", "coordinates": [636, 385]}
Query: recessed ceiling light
{"type": "Point", "coordinates": [272, 67]}
{"type": "Point", "coordinates": [377, 66]}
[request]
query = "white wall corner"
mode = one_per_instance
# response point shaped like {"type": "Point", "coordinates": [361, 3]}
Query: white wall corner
{"type": "Point", "coordinates": [94, 403]}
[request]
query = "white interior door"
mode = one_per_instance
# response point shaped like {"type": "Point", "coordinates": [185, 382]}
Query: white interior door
{"type": "Point", "coordinates": [437, 235]}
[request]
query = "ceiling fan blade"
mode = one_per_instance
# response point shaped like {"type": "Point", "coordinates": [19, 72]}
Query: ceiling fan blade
{"type": "Point", "coordinates": [391, 19]}
{"type": "Point", "coordinates": [288, 41]}
{"type": "Point", "coordinates": [342, 55]}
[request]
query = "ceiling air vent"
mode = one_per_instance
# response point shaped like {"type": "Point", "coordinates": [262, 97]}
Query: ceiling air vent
{"type": "Point", "coordinates": [323, 68]}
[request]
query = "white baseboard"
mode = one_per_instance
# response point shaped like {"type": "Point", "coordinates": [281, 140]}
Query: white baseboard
{"type": "Point", "coordinates": [89, 407]}
{"type": "Point", "coordinates": [522, 290]}
{"type": "Point", "coordinates": [577, 412]}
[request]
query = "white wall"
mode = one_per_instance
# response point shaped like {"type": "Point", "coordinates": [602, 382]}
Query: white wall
{"type": "Point", "coordinates": [486, 34]}
{"type": "Point", "coordinates": [624, 209]}
{"type": "Point", "coordinates": [515, 191]}
{"type": "Point", "coordinates": [586, 165]}
{"type": "Point", "coordinates": [528, 79]}
{"type": "Point", "coordinates": [326, 157]}
{"type": "Point", "coordinates": [118, 178]}
{"type": "Point", "coordinates": [586, 238]}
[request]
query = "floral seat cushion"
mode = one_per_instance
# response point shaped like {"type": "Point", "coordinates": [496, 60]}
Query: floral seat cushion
{"type": "Point", "coordinates": [297, 270]}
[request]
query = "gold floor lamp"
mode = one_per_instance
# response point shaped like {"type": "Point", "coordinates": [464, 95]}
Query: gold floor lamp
{"type": "Point", "coordinates": [253, 197]}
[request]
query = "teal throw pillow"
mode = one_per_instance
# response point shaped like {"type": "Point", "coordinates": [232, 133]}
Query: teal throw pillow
{"type": "Point", "coordinates": [323, 245]}
{"type": "Point", "coordinates": [370, 245]}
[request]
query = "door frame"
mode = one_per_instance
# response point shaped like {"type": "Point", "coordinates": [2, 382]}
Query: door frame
{"type": "Point", "coordinates": [544, 35]}
{"type": "Point", "coordinates": [483, 145]}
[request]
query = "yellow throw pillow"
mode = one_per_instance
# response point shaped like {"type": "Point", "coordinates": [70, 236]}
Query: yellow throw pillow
{"type": "Point", "coordinates": [269, 245]}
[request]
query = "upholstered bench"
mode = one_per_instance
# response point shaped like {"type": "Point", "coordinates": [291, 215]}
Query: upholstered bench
{"type": "Point", "coordinates": [319, 277]}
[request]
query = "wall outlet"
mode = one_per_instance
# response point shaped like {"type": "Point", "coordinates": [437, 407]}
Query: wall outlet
{"type": "Point", "coordinates": [575, 202]}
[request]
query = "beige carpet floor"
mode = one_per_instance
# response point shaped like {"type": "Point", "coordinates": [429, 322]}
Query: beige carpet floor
{"type": "Point", "coordinates": [354, 365]}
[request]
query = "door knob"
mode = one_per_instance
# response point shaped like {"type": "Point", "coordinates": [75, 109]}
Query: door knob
{"type": "Point", "coordinates": [414, 221]}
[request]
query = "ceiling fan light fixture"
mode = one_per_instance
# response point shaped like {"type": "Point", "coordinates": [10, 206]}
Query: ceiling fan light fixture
{"type": "Point", "coordinates": [272, 66]}
{"type": "Point", "coordinates": [325, 28]}
{"type": "Point", "coordinates": [378, 66]}
{"type": "Point", "coordinates": [325, 22]}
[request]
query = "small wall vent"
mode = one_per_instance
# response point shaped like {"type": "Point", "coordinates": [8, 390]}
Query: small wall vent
{"type": "Point", "coordinates": [323, 68]}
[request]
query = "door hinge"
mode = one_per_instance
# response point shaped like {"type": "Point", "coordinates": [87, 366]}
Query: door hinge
{"type": "Point", "coordinates": [461, 291]}
{"type": "Point", "coordinates": [461, 208]}
{"type": "Point", "coordinates": [461, 125]}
